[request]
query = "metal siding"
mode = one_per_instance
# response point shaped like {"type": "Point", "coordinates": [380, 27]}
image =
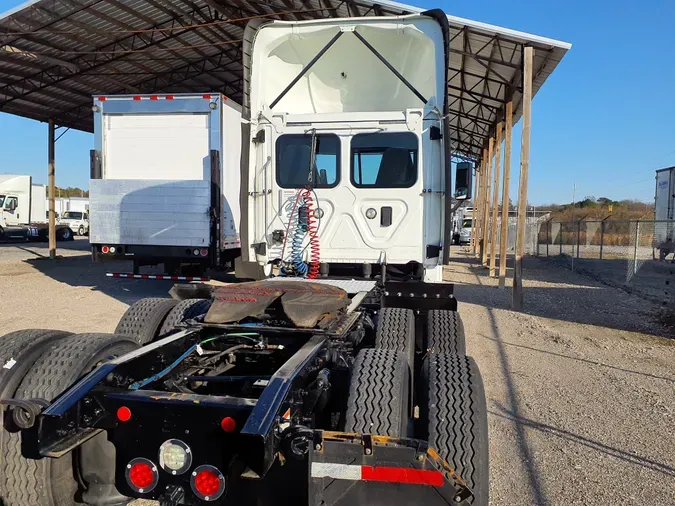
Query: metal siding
{"type": "Point", "coordinates": [150, 212]}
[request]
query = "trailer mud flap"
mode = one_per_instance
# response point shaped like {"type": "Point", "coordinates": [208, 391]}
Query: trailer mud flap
{"type": "Point", "coordinates": [354, 470]}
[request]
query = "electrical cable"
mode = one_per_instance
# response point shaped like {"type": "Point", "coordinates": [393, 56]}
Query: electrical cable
{"type": "Point", "coordinates": [170, 367]}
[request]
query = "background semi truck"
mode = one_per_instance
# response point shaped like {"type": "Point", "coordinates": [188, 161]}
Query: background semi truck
{"type": "Point", "coordinates": [664, 208]}
{"type": "Point", "coordinates": [164, 183]}
{"type": "Point", "coordinates": [24, 211]}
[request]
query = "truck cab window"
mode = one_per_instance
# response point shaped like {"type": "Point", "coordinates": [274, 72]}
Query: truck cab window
{"type": "Point", "coordinates": [293, 153]}
{"type": "Point", "coordinates": [9, 201]}
{"type": "Point", "coordinates": [384, 160]}
{"type": "Point", "coordinates": [2, 200]}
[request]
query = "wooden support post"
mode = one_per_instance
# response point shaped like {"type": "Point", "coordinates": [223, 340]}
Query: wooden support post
{"type": "Point", "coordinates": [481, 205]}
{"type": "Point", "coordinates": [52, 188]}
{"type": "Point", "coordinates": [474, 200]}
{"type": "Point", "coordinates": [528, 57]}
{"type": "Point", "coordinates": [495, 201]}
{"type": "Point", "coordinates": [486, 203]}
{"type": "Point", "coordinates": [505, 194]}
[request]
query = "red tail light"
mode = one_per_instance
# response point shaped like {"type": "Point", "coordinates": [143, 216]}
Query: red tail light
{"type": "Point", "coordinates": [208, 483]}
{"type": "Point", "coordinates": [105, 249]}
{"type": "Point", "coordinates": [123, 414]}
{"type": "Point", "coordinates": [204, 252]}
{"type": "Point", "coordinates": [142, 475]}
{"type": "Point", "coordinates": [228, 424]}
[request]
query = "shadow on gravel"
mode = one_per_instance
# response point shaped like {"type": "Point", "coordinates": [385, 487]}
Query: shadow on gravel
{"type": "Point", "coordinates": [527, 456]}
{"type": "Point", "coordinates": [590, 443]}
{"type": "Point", "coordinates": [81, 271]}
{"type": "Point", "coordinates": [590, 304]}
{"type": "Point", "coordinates": [569, 357]}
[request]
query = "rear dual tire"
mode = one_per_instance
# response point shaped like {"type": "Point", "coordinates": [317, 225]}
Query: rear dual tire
{"type": "Point", "coordinates": [144, 319]}
{"type": "Point", "coordinates": [456, 419]}
{"type": "Point", "coordinates": [54, 482]}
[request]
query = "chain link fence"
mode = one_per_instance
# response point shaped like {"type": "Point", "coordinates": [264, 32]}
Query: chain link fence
{"type": "Point", "coordinates": [634, 254]}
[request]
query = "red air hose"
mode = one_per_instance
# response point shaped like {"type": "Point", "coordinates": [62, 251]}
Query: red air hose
{"type": "Point", "coordinates": [312, 229]}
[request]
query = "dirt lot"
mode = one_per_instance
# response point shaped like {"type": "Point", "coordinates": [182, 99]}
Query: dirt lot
{"type": "Point", "coordinates": [581, 388]}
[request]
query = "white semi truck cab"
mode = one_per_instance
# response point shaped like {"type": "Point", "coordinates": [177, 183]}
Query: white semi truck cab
{"type": "Point", "coordinates": [165, 180]}
{"type": "Point", "coordinates": [347, 147]}
{"type": "Point", "coordinates": [23, 210]}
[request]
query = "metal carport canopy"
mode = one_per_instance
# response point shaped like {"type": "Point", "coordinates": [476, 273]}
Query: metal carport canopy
{"type": "Point", "coordinates": [56, 54]}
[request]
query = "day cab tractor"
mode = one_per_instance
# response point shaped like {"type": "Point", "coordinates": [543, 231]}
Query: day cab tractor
{"type": "Point", "coordinates": [335, 377]}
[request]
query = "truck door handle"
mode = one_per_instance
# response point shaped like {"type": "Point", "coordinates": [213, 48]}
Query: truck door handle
{"type": "Point", "coordinates": [385, 216]}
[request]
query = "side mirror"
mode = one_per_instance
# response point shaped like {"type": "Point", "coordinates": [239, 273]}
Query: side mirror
{"type": "Point", "coordinates": [12, 205]}
{"type": "Point", "coordinates": [463, 181]}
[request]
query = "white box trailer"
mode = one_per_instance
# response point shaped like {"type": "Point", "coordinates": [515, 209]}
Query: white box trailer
{"type": "Point", "coordinates": [664, 209]}
{"type": "Point", "coordinates": [23, 210]}
{"type": "Point", "coordinates": [165, 180]}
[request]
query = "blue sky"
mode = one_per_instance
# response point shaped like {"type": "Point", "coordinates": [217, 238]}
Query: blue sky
{"type": "Point", "coordinates": [605, 120]}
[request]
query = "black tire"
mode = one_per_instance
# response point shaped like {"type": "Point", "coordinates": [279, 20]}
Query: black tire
{"type": "Point", "coordinates": [80, 232]}
{"type": "Point", "coordinates": [22, 348]}
{"type": "Point", "coordinates": [184, 310]}
{"type": "Point", "coordinates": [445, 332]}
{"type": "Point", "coordinates": [456, 419]}
{"type": "Point", "coordinates": [378, 394]}
{"type": "Point", "coordinates": [396, 331]}
{"type": "Point", "coordinates": [66, 234]}
{"type": "Point", "coordinates": [144, 318]}
{"type": "Point", "coordinates": [51, 482]}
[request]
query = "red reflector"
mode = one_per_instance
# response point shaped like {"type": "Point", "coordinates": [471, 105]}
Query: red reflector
{"type": "Point", "coordinates": [154, 97]}
{"type": "Point", "coordinates": [402, 475]}
{"type": "Point", "coordinates": [124, 414]}
{"type": "Point", "coordinates": [228, 424]}
{"type": "Point", "coordinates": [141, 475]}
{"type": "Point", "coordinates": [169, 97]}
{"type": "Point", "coordinates": [137, 97]}
{"type": "Point", "coordinates": [207, 483]}
{"type": "Point", "coordinates": [105, 249]}
{"type": "Point", "coordinates": [101, 99]}
{"type": "Point", "coordinates": [207, 97]}
{"type": "Point", "coordinates": [204, 252]}
{"type": "Point", "coordinates": [225, 98]}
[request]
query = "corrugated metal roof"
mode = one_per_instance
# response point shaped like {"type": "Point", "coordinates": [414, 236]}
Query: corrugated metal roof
{"type": "Point", "coordinates": [56, 54]}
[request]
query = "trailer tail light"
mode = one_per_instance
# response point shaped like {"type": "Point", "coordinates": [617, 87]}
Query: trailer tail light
{"type": "Point", "coordinates": [112, 249]}
{"type": "Point", "coordinates": [175, 456]}
{"type": "Point", "coordinates": [228, 424]}
{"type": "Point", "coordinates": [207, 483]}
{"type": "Point", "coordinates": [203, 252]}
{"type": "Point", "coordinates": [105, 249]}
{"type": "Point", "coordinates": [123, 414]}
{"type": "Point", "coordinates": [142, 475]}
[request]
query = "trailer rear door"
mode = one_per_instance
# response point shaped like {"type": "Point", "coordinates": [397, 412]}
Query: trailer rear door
{"type": "Point", "coordinates": [156, 146]}
{"type": "Point", "coordinates": [156, 170]}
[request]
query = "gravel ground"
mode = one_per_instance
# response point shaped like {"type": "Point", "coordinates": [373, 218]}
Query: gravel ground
{"type": "Point", "coordinates": [580, 389]}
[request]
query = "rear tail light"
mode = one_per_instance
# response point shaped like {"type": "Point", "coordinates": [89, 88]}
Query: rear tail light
{"type": "Point", "coordinates": [204, 252]}
{"type": "Point", "coordinates": [112, 249]}
{"type": "Point", "coordinates": [105, 249]}
{"type": "Point", "coordinates": [195, 252]}
{"type": "Point", "coordinates": [207, 483]}
{"type": "Point", "coordinates": [142, 475]}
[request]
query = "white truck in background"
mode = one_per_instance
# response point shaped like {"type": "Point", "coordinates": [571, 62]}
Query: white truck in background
{"type": "Point", "coordinates": [462, 225]}
{"type": "Point", "coordinates": [24, 212]}
{"type": "Point", "coordinates": [164, 183]}
{"type": "Point", "coordinates": [664, 209]}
